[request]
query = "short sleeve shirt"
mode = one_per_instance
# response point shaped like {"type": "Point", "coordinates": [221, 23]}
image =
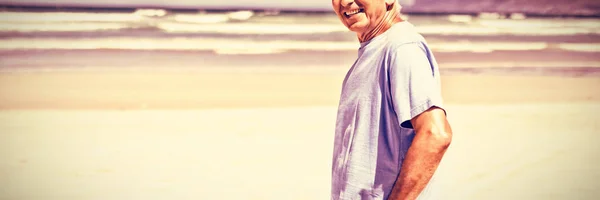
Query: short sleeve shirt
{"type": "Point", "coordinates": [394, 79]}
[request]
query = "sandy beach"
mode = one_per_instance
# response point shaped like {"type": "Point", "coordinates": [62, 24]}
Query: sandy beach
{"type": "Point", "coordinates": [267, 134]}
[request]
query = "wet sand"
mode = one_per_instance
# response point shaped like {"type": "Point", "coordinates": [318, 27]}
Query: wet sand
{"type": "Point", "coordinates": [256, 87]}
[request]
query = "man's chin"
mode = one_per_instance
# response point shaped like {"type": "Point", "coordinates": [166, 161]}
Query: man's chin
{"type": "Point", "coordinates": [357, 28]}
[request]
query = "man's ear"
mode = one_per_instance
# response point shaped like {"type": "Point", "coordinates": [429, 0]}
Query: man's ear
{"type": "Point", "coordinates": [389, 4]}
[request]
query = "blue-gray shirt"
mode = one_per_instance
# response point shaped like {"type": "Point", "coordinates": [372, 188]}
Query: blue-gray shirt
{"type": "Point", "coordinates": [394, 79]}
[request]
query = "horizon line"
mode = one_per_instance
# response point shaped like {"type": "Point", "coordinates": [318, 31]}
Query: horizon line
{"type": "Point", "coordinates": [282, 9]}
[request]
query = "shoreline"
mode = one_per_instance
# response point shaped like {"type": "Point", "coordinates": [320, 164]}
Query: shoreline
{"type": "Point", "coordinates": [203, 89]}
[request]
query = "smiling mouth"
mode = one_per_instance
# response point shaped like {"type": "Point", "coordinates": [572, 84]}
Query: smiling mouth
{"type": "Point", "coordinates": [353, 12]}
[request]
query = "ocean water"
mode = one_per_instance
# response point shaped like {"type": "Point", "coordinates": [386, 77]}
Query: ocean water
{"type": "Point", "coordinates": [160, 29]}
{"type": "Point", "coordinates": [33, 35]}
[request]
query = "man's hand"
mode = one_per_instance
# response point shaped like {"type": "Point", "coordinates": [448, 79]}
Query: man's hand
{"type": "Point", "coordinates": [432, 137]}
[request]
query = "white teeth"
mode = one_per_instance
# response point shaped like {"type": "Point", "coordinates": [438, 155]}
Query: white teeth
{"type": "Point", "coordinates": [353, 12]}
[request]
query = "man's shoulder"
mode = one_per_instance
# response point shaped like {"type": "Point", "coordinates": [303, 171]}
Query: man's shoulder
{"type": "Point", "coordinates": [404, 33]}
{"type": "Point", "coordinates": [404, 37]}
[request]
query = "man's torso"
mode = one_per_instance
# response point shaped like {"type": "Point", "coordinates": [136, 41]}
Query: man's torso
{"type": "Point", "coordinates": [370, 144]}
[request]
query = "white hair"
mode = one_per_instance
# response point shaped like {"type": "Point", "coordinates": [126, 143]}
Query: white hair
{"type": "Point", "coordinates": [406, 2]}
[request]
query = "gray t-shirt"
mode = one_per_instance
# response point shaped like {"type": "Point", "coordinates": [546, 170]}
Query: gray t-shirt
{"type": "Point", "coordinates": [394, 79]}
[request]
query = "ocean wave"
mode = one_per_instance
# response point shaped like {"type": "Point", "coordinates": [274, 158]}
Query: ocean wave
{"type": "Point", "coordinates": [151, 12]}
{"type": "Point", "coordinates": [541, 23]}
{"type": "Point", "coordinates": [211, 18]}
{"type": "Point", "coordinates": [215, 25]}
{"type": "Point", "coordinates": [456, 30]}
{"type": "Point", "coordinates": [201, 18]}
{"type": "Point", "coordinates": [44, 17]}
{"type": "Point", "coordinates": [448, 29]}
{"type": "Point", "coordinates": [247, 51]}
{"type": "Point", "coordinates": [588, 47]}
{"type": "Point", "coordinates": [452, 29]}
{"type": "Point", "coordinates": [245, 46]}
{"type": "Point", "coordinates": [460, 18]}
{"type": "Point", "coordinates": [249, 28]}
{"type": "Point", "coordinates": [242, 15]}
{"type": "Point", "coordinates": [182, 23]}
{"type": "Point", "coordinates": [248, 22]}
{"type": "Point", "coordinates": [217, 45]}
{"type": "Point", "coordinates": [489, 47]}
{"type": "Point", "coordinates": [62, 27]}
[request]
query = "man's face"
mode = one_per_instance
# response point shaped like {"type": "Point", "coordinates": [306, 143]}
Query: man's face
{"type": "Point", "coordinates": [360, 16]}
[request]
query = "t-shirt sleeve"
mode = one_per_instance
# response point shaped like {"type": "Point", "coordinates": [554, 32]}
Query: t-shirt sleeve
{"type": "Point", "coordinates": [414, 81]}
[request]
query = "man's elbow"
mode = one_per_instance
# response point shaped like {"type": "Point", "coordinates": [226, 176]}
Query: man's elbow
{"type": "Point", "coordinates": [439, 139]}
{"type": "Point", "coordinates": [433, 130]}
{"type": "Point", "coordinates": [445, 139]}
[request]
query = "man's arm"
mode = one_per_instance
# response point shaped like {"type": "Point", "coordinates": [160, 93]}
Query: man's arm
{"type": "Point", "coordinates": [432, 137]}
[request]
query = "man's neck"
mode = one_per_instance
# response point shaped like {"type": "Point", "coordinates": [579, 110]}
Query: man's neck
{"type": "Point", "coordinates": [390, 18]}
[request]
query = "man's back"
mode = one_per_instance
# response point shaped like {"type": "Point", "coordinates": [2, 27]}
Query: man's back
{"type": "Point", "coordinates": [379, 97]}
